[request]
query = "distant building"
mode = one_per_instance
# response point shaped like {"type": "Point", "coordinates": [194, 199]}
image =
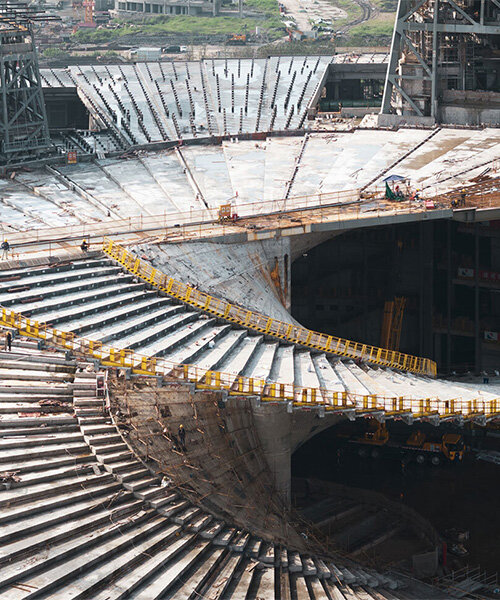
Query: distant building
{"type": "Point", "coordinates": [169, 7]}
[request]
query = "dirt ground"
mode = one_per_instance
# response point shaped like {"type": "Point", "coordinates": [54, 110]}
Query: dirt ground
{"type": "Point", "coordinates": [305, 11]}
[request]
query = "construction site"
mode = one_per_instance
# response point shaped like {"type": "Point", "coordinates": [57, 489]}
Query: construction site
{"type": "Point", "coordinates": [249, 324]}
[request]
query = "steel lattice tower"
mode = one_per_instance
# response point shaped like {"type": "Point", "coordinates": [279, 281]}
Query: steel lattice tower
{"type": "Point", "coordinates": [24, 132]}
{"type": "Point", "coordinates": [443, 53]}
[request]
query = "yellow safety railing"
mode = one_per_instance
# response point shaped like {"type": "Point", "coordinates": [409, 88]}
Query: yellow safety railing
{"type": "Point", "coordinates": [264, 324]}
{"type": "Point", "coordinates": [247, 386]}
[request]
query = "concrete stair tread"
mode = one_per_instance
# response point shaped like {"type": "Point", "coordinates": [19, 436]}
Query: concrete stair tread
{"type": "Point", "coordinates": [110, 448]}
{"type": "Point", "coordinates": [238, 544]}
{"type": "Point", "coordinates": [35, 477]}
{"type": "Point", "coordinates": [169, 510]}
{"type": "Point", "coordinates": [41, 375]}
{"type": "Point", "coordinates": [212, 529]}
{"type": "Point", "coordinates": [115, 457]}
{"type": "Point", "coordinates": [37, 271]}
{"type": "Point", "coordinates": [123, 563]}
{"type": "Point", "coordinates": [37, 385]}
{"type": "Point", "coordinates": [35, 440]}
{"type": "Point", "coordinates": [67, 560]}
{"type": "Point", "coordinates": [127, 334]}
{"type": "Point", "coordinates": [93, 430]}
{"type": "Point", "coordinates": [49, 462]}
{"type": "Point", "coordinates": [12, 408]}
{"type": "Point", "coordinates": [184, 516]}
{"type": "Point", "coordinates": [66, 276]}
{"type": "Point", "coordinates": [171, 341]}
{"type": "Point", "coordinates": [88, 308]}
{"type": "Point", "coordinates": [237, 363]}
{"type": "Point", "coordinates": [127, 584]}
{"type": "Point", "coordinates": [198, 575]}
{"type": "Point", "coordinates": [212, 357]}
{"type": "Point", "coordinates": [25, 454]}
{"type": "Point", "coordinates": [224, 537]}
{"type": "Point", "coordinates": [11, 300]}
{"type": "Point", "coordinates": [119, 314]}
{"type": "Point", "coordinates": [20, 495]}
{"type": "Point", "coordinates": [133, 474]}
{"type": "Point", "coordinates": [164, 499]}
{"type": "Point", "coordinates": [98, 439]}
{"type": "Point", "coordinates": [165, 580]}
{"type": "Point", "coordinates": [224, 577]}
{"type": "Point", "coordinates": [47, 504]}
{"type": "Point", "coordinates": [48, 268]}
{"type": "Point", "coordinates": [12, 421]}
{"type": "Point", "coordinates": [40, 308]}
{"type": "Point", "coordinates": [86, 505]}
{"type": "Point", "coordinates": [261, 362]}
{"type": "Point", "coordinates": [123, 466]}
{"type": "Point", "coordinates": [66, 529]}
{"type": "Point", "coordinates": [42, 430]}
{"type": "Point", "coordinates": [147, 481]}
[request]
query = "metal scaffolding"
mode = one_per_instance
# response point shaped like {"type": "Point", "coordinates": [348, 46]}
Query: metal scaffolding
{"type": "Point", "coordinates": [440, 50]}
{"type": "Point", "coordinates": [24, 132]}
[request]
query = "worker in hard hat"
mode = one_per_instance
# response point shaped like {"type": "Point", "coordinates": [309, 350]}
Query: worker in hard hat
{"type": "Point", "coordinates": [462, 197]}
{"type": "Point", "coordinates": [5, 248]}
{"type": "Point", "coordinates": [84, 246]}
{"type": "Point", "coordinates": [182, 436]}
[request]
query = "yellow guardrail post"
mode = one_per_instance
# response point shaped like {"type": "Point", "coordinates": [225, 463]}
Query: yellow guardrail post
{"type": "Point", "coordinates": [270, 326]}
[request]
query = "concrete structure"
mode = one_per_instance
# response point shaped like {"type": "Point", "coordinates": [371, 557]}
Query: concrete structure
{"type": "Point", "coordinates": [213, 520]}
{"type": "Point", "coordinates": [169, 7]}
{"type": "Point", "coordinates": [443, 66]}
{"type": "Point", "coordinates": [92, 299]}
{"type": "Point", "coordinates": [82, 516]}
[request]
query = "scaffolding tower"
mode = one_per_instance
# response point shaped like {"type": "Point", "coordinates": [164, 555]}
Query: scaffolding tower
{"type": "Point", "coordinates": [24, 132]}
{"type": "Point", "coordinates": [443, 52]}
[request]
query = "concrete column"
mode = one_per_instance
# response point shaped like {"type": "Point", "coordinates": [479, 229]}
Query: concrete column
{"type": "Point", "coordinates": [426, 288]}
{"type": "Point", "coordinates": [273, 427]}
{"type": "Point", "coordinates": [477, 328]}
{"type": "Point", "coordinates": [281, 433]}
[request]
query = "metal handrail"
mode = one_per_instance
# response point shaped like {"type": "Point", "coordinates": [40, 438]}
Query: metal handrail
{"type": "Point", "coordinates": [264, 324]}
{"type": "Point", "coordinates": [204, 223]}
{"type": "Point", "coordinates": [240, 385]}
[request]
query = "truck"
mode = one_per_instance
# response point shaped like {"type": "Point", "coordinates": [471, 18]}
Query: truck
{"type": "Point", "coordinates": [378, 441]}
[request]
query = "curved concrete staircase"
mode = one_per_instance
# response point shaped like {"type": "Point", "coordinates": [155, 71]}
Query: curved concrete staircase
{"type": "Point", "coordinates": [82, 517]}
{"type": "Point", "coordinates": [94, 299]}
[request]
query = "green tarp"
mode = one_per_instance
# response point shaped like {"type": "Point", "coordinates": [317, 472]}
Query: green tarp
{"type": "Point", "coordinates": [389, 194]}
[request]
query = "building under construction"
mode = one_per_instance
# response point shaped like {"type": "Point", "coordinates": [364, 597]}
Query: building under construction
{"type": "Point", "coordinates": [184, 272]}
{"type": "Point", "coordinates": [444, 63]}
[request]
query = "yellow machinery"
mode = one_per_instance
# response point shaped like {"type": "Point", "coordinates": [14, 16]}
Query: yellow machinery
{"type": "Point", "coordinates": [392, 323]}
{"type": "Point", "coordinates": [450, 446]}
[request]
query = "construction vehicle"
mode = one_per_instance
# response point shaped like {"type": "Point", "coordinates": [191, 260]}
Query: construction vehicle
{"type": "Point", "coordinates": [237, 40]}
{"type": "Point", "coordinates": [377, 441]}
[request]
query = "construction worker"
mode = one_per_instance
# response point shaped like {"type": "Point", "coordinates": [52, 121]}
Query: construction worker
{"type": "Point", "coordinates": [84, 246]}
{"type": "Point", "coordinates": [5, 248]}
{"type": "Point", "coordinates": [462, 198]}
{"type": "Point", "coordinates": [8, 341]}
{"type": "Point", "coordinates": [182, 436]}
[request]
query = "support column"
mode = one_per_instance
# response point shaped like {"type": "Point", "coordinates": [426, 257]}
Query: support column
{"type": "Point", "coordinates": [435, 50]}
{"type": "Point", "coordinates": [449, 292]}
{"type": "Point", "coordinates": [426, 347]}
{"type": "Point", "coordinates": [477, 331]}
{"type": "Point", "coordinates": [273, 427]}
